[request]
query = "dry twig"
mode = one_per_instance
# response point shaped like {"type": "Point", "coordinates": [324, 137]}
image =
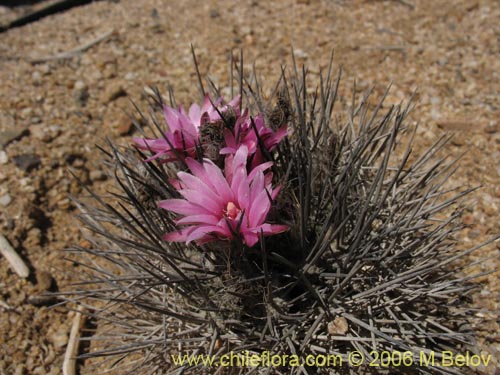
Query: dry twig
{"type": "Point", "coordinates": [74, 52]}
{"type": "Point", "coordinates": [13, 258]}
{"type": "Point", "coordinates": [69, 364]}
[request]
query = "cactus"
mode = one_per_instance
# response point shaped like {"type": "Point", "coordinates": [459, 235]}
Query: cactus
{"type": "Point", "coordinates": [369, 261]}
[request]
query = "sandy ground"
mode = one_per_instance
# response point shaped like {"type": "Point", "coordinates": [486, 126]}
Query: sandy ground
{"type": "Point", "coordinates": [53, 110]}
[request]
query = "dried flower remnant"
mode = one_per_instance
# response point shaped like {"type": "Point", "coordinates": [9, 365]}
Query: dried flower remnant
{"type": "Point", "coordinates": [215, 207]}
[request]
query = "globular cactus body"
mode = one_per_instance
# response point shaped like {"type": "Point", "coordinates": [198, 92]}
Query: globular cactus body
{"type": "Point", "coordinates": [365, 258]}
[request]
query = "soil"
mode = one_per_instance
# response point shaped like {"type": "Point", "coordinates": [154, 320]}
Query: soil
{"type": "Point", "coordinates": [54, 108]}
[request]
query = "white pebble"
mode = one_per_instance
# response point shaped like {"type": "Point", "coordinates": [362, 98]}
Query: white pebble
{"type": "Point", "coordinates": [3, 157]}
{"type": "Point", "coordinates": [80, 85]}
{"type": "Point", "coordinates": [5, 200]}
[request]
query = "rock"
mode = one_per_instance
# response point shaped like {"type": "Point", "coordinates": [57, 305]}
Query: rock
{"type": "Point", "coordinates": [130, 76]}
{"type": "Point", "coordinates": [26, 162]}
{"type": "Point", "coordinates": [80, 85]}
{"type": "Point", "coordinates": [64, 204]}
{"type": "Point", "coordinates": [12, 134]}
{"type": "Point", "coordinates": [80, 93]}
{"type": "Point", "coordinates": [107, 64]}
{"type": "Point", "coordinates": [124, 125]}
{"type": "Point", "coordinates": [3, 157]}
{"type": "Point", "coordinates": [497, 192]}
{"type": "Point", "coordinates": [491, 128]}
{"type": "Point", "coordinates": [97, 175]}
{"type": "Point", "coordinates": [78, 163]}
{"type": "Point", "coordinates": [33, 238]}
{"type": "Point", "coordinates": [113, 92]}
{"type": "Point", "coordinates": [26, 185]}
{"type": "Point", "coordinates": [5, 200]}
{"type": "Point", "coordinates": [44, 133]}
{"type": "Point", "coordinates": [339, 326]}
{"type": "Point", "coordinates": [458, 124]}
{"type": "Point", "coordinates": [468, 219]}
{"type": "Point", "coordinates": [45, 69]}
{"type": "Point", "coordinates": [300, 54]}
{"type": "Point", "coordinates": [44, 281]}
{"type": "Point", "coordinates": [214, 13]}
{"type": "Point", "coordinates": [59, 338]}
{"type": "Point", "coordinates": [36, 78]}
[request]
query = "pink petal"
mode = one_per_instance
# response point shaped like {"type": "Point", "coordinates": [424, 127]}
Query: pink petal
{"type": "Point", "coordinates": [235, 103]}
{"type": "Point", "coordinates": [274, 139]}
{"type": "Point", "coordinates": [198, 219]}
{"type": "Point", "coordinates": [257, 185]}
{"type": "Point", "coordinates": [172, 118]}
{"type": "Point", "coordinates": [182, 207]}
{"type": "Point", "coordinates": [250, 238]}
{"type": "Point", "coordinates": [227, 151]}
{"type": "Point", "coordinates": [228, 164]}
{"type": "Point", "coordinates": [243, 195]}
{"type": "Point", "coordinates": [212, 176]}
{"type": "Point", "coordinates": [268, 229]}
{"type": "Point", "coordinates": [240, 158]}
{"type": "Point", "coordinates": [195, 183]}
{"type": "Point", "coordinates": [202, 231]}
{"type": "Point", "coordinates": [195, 114]}
{"type": "Point", "coordinates": [259, 209]}
{"type": "Point", "coordinates": [275, 192]}
{"type": "Point", "coordinates": [200, 198]}
{"type": "Point", "coordinates": [239, 177]}
{"type": "Point", "coordinates": [155, 145]}
{"type": "Point", "coordinates": [218, 181]}
{"type": "Point", "coordinates": [229, 139]}
{"type": "Point", "coordinates": [260, 168]}
{"type": "Point", "coordinates": [177, 236]}
{"type": "Point", "coordinates": [197, 234]}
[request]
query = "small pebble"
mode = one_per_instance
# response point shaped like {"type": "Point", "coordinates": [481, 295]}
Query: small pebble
{"type": "Point", "coordinates": [44, 281]}
{"type": "Point", "coordinates": [26, 162]}
{"type": "Point", "coordinates": [491, 128]}
{"type": "Point", "coordinates": [124, 125]}
{"type": "Point", "coordinates": [130, 76]}
{"type": "Point", "coordinates": [214, 13]}
{"type": "Point", "coordinates": [78, 163]}
{"type": "Point", "coordinates": [97, 175]}
{"type": "Point", "coordinates": [4, 158]}
{"type": "Point", "coordinates": [11, 135]}
{"type": "Point", "coordinates": [45, 69]}
{"type": "Point", "coordinates": [59, 338]}
{"type": "Point", "coordinates": [300, 54]}
{"type": "Point", "coordinates": [81, 96]}
{"type": "Point", "coordinates": [5, 200]}
{"type": "Point", "coordinates": [64, 204]}
{"type": "Point", "coordinates": [468, 219]}
{"type": "Point", "coordinates": [113, 92]}
{"type": "Point", "coordinates": [36, 78]}
{"type": "Point", "coordinates": [338, 326]}
{"type": "Point", "coordinates": [80, 85]}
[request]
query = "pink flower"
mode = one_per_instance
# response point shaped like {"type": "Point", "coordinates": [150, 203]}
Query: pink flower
{"type": "Point", "coordinates": [183, 132]}
{"type": "Point", "coordinates": [216, 207]}
{"type": "Point", "coordinates": [244, 133]}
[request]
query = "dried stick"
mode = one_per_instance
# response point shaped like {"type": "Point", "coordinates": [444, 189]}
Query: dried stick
{"type": "Point", "coordinates": [13, 258]}
{"type": "Point", "coordinates": [69, 364]}
{"type": "Point", "coordinates": [74, 52]}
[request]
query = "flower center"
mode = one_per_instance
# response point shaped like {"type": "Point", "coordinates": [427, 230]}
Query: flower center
{"type": "Point", "coordinates": [232, 210]}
